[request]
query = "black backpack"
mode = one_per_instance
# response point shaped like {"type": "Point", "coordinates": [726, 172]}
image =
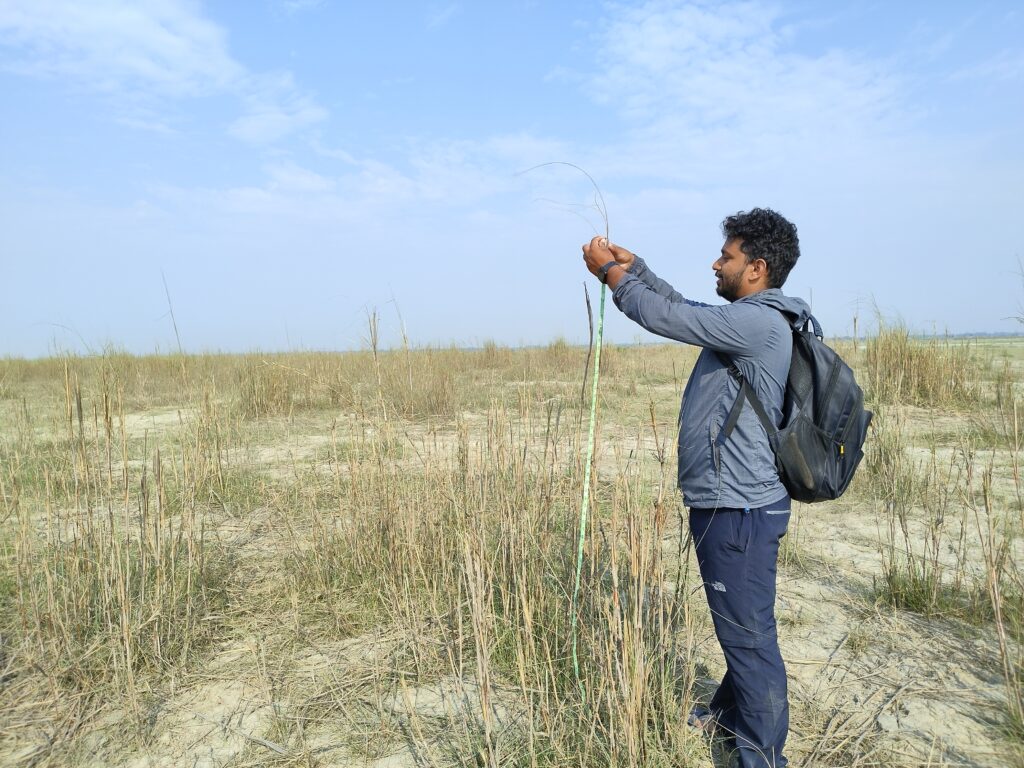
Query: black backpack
{"type": "Point", "coordinates": [824, 422]}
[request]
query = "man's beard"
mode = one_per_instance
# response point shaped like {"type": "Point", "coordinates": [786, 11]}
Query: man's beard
{"type": "Point", "coordinates": [728, 289]}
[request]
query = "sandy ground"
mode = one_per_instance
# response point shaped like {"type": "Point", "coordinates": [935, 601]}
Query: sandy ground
{"type": "Point", "coordinates": [927, 690]}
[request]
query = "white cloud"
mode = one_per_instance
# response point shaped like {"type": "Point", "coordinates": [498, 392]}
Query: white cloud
{"type": "Point", "coordinates": [141, 122]}
{"type": "Point", "coordinates": [275, 108]}
{"type": "Point", "coordinates": [292, 178]}
{"type": "Point", "coordinates": [334, 153]}
{"type": "Point", "coordinates": [438, 17]}
{"type": "Point", "coordinates": [164, 45]}
{"type": "Point", "coordinates": [720, 85]}
{"type": "Point", "coordinates": [143, 57]}
{"type": "Point", "coordinates": [466, 176]}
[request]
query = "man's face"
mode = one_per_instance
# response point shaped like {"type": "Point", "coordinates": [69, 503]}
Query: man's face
{"type": "Point", "coordinates": [730, 269]}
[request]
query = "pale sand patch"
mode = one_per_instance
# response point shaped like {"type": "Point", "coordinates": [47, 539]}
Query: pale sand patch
{"type": "Point", "coordinates": [155, 422]}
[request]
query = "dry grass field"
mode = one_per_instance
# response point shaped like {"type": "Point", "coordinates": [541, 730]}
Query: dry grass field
{"type": "Point", "coordinates": [366, 559]}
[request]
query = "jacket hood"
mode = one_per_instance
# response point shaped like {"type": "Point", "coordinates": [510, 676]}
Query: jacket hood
{"type": "Point", "coordinates": [796, 310]}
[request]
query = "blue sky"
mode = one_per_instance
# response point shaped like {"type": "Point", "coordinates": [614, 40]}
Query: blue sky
{"type": "Point", "coordinates": [288, 166]}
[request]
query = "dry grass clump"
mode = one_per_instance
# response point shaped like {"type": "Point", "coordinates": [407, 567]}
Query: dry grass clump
{"type": "Point", "coordinates": [101, 607]}
{"type": "Point", "coordinates": [275, 385]}
{"type": "Point", "coordinates": [925, 534]}
{"type": "Point", "coordinates": [933, 372]}
{"type": "Point", "coordinates": [494, 356]}
{"type": "Point", "coordinates": [999, 424]}
{"type": "Point", "coordinates": [477, 550]}
{"type": "Point", "coordinates": [382, 382]}
{"type": "Point", "coordinates": [112, 578]}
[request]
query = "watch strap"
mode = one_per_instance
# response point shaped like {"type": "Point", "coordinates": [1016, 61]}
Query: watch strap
{"type": "Point", "coordinates": [603, 271]}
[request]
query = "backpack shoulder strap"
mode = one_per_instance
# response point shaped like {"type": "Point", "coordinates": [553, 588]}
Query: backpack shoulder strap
{"type": "Point", "coordinates": [811, 323]}
{"type": "Point", "coordinates": [746, 393]}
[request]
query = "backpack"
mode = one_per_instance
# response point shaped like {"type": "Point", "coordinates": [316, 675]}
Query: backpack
{"type": "Point", "coordinates": [824, 423]}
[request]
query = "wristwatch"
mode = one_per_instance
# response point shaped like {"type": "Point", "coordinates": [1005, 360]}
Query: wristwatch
{"type": "Point", "coordinates": [602, 273]}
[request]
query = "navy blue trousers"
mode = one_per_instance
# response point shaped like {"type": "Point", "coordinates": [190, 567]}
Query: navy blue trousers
{"type": "Point", "coordinates": [737, 550]}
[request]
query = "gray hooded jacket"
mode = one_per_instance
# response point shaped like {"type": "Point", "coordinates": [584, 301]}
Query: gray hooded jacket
{"type": "Point", "coordinates": [754, 334]}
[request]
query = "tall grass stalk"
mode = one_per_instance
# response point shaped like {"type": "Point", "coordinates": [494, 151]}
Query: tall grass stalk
{"type": "Point", "coordinates": [1004, 579]}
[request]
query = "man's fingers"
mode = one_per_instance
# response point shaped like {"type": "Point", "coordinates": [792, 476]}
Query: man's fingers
{"type": "Point", "coordinates": [592, 250]}
{"type": "Point", "coordinates": [621, 255]}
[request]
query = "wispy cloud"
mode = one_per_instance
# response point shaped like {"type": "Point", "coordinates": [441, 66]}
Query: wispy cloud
{"type": "Point", "coordinates": [142, 56]}
{"type": "Point", "coordinates": [296, 6]}
{"type": "Point", "coordinates": [275, 108]}
{"type": "Point", "coordinates": [440, 16]}
{"type": "Point", "coordinates": [333, 153]}
{"type": "Point", "coordinates": [1002, 67]}
{"type": "Point", "coordinates": [142, 123]}
{"type": "Point", "coordinates": [467, 175]}
{"type": "Point", "coordinates": [289, 177]}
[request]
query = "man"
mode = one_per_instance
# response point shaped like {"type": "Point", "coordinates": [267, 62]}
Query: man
{"type": "Point", "coordinates": [739, 508]}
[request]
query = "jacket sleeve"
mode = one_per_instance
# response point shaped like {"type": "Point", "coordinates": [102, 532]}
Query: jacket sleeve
{"type": "Point", "coordinates": [736, 329]}
{"type": "Point", "coordinates": [646, 275]}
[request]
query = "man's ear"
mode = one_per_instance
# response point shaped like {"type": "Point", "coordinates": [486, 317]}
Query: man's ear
{"type": "Point", "coordinates": [759, 269]}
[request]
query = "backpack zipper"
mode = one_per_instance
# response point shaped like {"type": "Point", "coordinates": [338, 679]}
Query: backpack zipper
{"type": "Point", "coordinates": [846, 433]}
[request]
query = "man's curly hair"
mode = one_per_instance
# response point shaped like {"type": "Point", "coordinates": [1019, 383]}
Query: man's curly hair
{"type": "Point", "coordinates": [766, 235]}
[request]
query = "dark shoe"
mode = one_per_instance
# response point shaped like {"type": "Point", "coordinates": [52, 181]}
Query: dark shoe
{"type": "Point", "coordinates": [702, 719]}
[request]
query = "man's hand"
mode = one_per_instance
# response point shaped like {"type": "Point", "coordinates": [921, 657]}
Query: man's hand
{"type": "Point", "coordinates": [624, 257]}
{"type": "Point", "coordinates": [599, 252]}
{"type": "Point", "coordinates": [596, 254]}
